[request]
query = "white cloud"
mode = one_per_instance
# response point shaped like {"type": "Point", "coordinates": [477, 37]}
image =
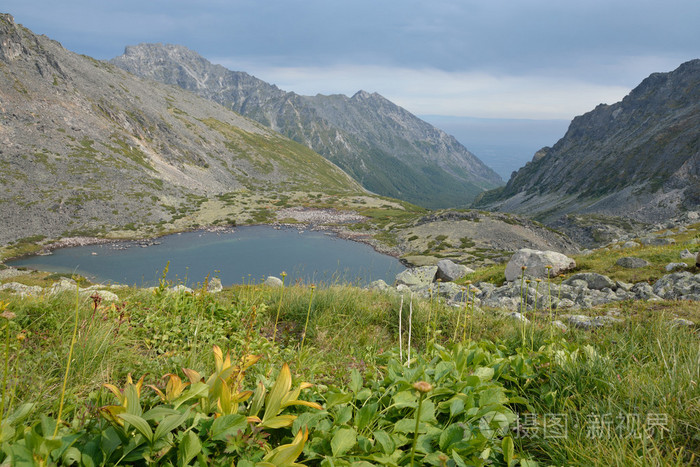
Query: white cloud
{"type": "Point", "coordinates": [436, 92]}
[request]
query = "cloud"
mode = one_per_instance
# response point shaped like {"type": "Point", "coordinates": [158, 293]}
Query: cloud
{"type": "Point", "coordinates": [432, 91]}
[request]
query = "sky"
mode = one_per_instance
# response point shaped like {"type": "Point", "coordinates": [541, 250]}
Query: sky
{"type": "Point", "coordinates": [525, 59]}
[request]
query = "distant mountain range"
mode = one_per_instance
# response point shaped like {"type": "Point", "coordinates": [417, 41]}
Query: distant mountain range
{"type": "Point", "coordinates": [87, 148]}
{"type": "Point", "coordinates": [638, 158]}
{"type": "Point", "coordinates": [384, 147]}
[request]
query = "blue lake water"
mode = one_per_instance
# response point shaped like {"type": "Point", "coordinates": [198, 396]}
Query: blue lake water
{"type": "Point", "coordinates": [248, 254]}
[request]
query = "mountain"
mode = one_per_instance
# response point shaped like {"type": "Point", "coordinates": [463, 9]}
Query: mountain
{"type": "Point", "coordinates": [387, 149]}
{"type": "Point", "coordinates": [89, 148]}
{"type": "Point", "coordinates": [638, 159]}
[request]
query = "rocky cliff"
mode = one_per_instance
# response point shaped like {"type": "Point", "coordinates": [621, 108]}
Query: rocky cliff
{"type": "Point", "coordinates": [638, 158]}
{"type": "Point", "coordinates": [383, 146]}
{"type": "Point", "coordinates": [86, 147]}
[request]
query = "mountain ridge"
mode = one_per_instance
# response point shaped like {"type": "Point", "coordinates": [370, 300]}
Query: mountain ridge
{"type": "Point", "coordinates": [638, 158]}
{"type": "Point", "coordinates": [386, 148]}
{"type": "Point", "coordinates": [89, 148]}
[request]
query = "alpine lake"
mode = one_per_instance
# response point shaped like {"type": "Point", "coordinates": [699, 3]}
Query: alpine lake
{"type": "Point", "coordinates": [243, 255]}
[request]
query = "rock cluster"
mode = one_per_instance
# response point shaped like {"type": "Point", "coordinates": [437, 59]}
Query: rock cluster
{"type": "Point", "coordinates": [579, 292]}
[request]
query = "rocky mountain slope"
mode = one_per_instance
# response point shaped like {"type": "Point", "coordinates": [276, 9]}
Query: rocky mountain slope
{"type": "Point", "coordinates": [387, 149]}
{"type": "Point", "coordinates": [638, 159]}
{"type": "Point", "coordinates": [86, 147]}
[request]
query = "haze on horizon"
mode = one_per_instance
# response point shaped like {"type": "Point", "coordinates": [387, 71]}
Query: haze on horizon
{"type": "Point", "coordinates": [533, 61]}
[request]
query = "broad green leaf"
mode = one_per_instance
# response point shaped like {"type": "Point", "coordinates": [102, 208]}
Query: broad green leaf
{"type": "Point", "coordinates": [385, 442]}
{"type": "Point", "coordinates": [494, 395]}
{"type": "Point", "coordinates": [139, 423]}
{"type": "Point", "coordinates": [528, 463]}
{"type": "Point", "coordinates": [227, 425]}
{"type": "Point", "coordinates": [405, 399]}
{"type": "Point", "coordinates": [158, 413]}
{"type": "Point", "coordinates": [508, 449]}
{"type": "Point", "coordinates": [343, 415]}
{"type": "Point", "coordinates": [458, 460]}
{"type": "Point", "coordinates": [456, 406]}
{"type": "Point", "coordinates": [337, 398]}
{"type": "Point", "coordinates": [484, 373]}
{"type": "Point", "coordinates": [71, 456]}
{"type": "Point", "coordinates": [168, 424]}
{"type": "Point", "coordinates": [287, 453]}
{"type": "Point", "coordinates": [19, 414]}
{"type": "Point", "coordinates": [343, 441]}
{"type": "Point", "coordinates": [132, 400]}
{"type": "Point", "coordinates": [355, 381]}
{"type": "Point", "coordinates": [279, 421]}
{"type": "Point", "coordinates": [365, 415]}
{"type": "Point", "coordinates": [189, 447]}
{"type": "Point", "coordinates": [277, 393]}
{"type": "Point", "coordinates": [453, 434]}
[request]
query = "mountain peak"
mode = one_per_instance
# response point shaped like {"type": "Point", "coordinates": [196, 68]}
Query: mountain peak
{"type": "Point", "coordinates": [386, 148]}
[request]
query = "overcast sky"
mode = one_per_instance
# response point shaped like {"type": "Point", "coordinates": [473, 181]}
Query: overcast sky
{"type": "Point", "coordinates": [535, 59]}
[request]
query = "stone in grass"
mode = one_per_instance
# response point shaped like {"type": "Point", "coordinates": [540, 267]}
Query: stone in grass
{"type": "Point", "coordinates": [214, 285]}
{"type": "Point", "coordinates": [593, 280]}
{"type": "Point", "coordinates": [449, 271]}
{"type": "Point", "coordinates": [535, 262]}
{"type": "Point", "coordinates": [378, 285]}
{"type": "Point", "coordinates": [588, 323]}
{"type": "Point", "coordinates": [630, 244]}
{"type": "Point", "coordinates": [675, 266]}
{"type": "Point", "coordinates": [687, 254]}
{"type": "Point", "coordinates": [682, 322]}
{"type": "Point", "coordinates": [631, 262]}
{"type": "Point", "coordinates": [273, 281]}
{"type": "Point", "coordinates": [417, 277]}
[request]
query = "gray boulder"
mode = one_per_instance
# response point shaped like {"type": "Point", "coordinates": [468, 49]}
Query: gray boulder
{"type": "Point", "coordinates": [214, 285]}
{"type": "Point", "coordinates": [535, 262]}
{"type": "Point", "coordinates": [593, 280]}
{"type": "Point", "coordinates": [670, 267]}
{"type": "Point", "coordinates": [378, 285]}
{"type": "Point", "coordinates": [273, 281]}
{"type": "Point", "coordinates": [658, 241]}
{"type": "Point", "coordinates": [416, 277]}
{"type": "Point", "coordinates": [630, 244]}
{"type": "Point", "coordinates": [631, 262]}
{"type": "Point", "coordinates": [448, 271]}
{"type": "Point", "coordinates": [687, 254]}
{"type": "Point", "coordinates": [21, 289]}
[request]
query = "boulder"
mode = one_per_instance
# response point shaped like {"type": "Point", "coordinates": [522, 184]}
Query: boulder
{"type": "Point", "coordinates": [63, 285]}
{"type": "Point", "coordinates": [448, 271]}
{"type": "Point", "coordinates": [658, 241]}
{"type": "Point", "coordinates": [630, 262]}
{"type": "Point", "coordinates": [21, 289]}
{"type": "Point", "coordinates": [378, 285]}
{"type": "Point", "coordinates": [630, 244]}
{"type": "Point", "coordinates": [687, 254]}
{"type": "Point", "coordinates": [105, 295]}
{"type": "Point", "coordinates": [273, 281]}
{"type": "Point", "coordinates": [670, 267]}
{"type": "Point", "coordinates": [417, 277]}
{"type": "Point", "coordinates": [215, 285]}
{"type": "Point", "coordinates": [535, 262]}
{"type": "Point", "coordinates": [180, 288]}
{"type": "Point", "coordinates": [593, 280]}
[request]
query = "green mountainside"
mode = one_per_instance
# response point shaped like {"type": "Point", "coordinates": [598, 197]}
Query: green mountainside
{"type": "Point", "coordinates": [387, 149]}
{"type": "Point", "coordinates": [87, 148]}
{"type": "Point", "coordinates": [638, 158]}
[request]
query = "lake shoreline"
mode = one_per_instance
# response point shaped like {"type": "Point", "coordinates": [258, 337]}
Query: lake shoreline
{"type": "Point", "coordinates": [321, 220]}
